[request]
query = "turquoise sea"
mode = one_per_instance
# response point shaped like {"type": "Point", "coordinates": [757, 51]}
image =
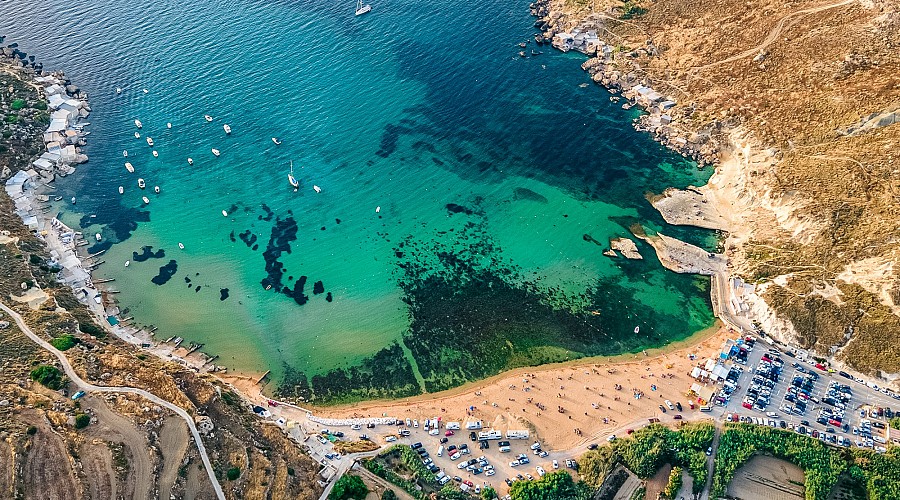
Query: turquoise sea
{"type": "Point", "coordinates": [464, 189]}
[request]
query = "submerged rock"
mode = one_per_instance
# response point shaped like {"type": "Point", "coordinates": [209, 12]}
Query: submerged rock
{"type": "Point", "coordinates": [627, 247]}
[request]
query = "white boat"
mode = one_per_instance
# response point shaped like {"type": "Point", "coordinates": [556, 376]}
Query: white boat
{"type": "Point", "coordinates": [156, 189]}
{"type": "Point", "coordinates": [317, 188]}
{"type": "Point", "coordinates": [129, 167]}
{"type": "Point", "coordinates": [118, 90]}
{"type": "Point", "coordinates": [141, 183]}
{"type": "Point", "coordinates": [292, 179]}
{"type": "Point", "coordinates": [227, 128]}
{"type": "Point", "coordinates": [98, 236]}
{"type": "Point", "coordinates": [146, 91]}
{"type": "Point", "coordinates": [190, 161]}
{"type": "Point", "coordinates": [377, 209]}
{"type": "Point", "coordinates": [224, 213]}
{"type": "Point", "coordinates": [637, 329]}
{"type": "Point", "coordinates": [121, 190]}
{"type": "Point", "coordinates": [168, 125]}
{"type": "Point", "coordinates": [146, 200]}
{"type": "Point", "coordinates": [125, 153]}
{"type": "Point", "coordinates": [276, 141]}
{"type": "Point", "coordinates": [155, 154]}
{"type": "Point", "coordinates": [181, 245]}
{"type": "Point", "coordinates": [137, 135]}
{"type": "Point", "coordinates": [73, 200]}
{"type": "Point", "coordinates": [215, 151]}
{"type": "Point", "coordinates": [149, 141]}
{"type": "Point", "coordinates": [362, 9]}
{"type": "Point", "coordinates": [208, 118]}
{"type": "Point", "coordinates": [127, 263]}
{"type": "Point", "coordinates": [138, 124]}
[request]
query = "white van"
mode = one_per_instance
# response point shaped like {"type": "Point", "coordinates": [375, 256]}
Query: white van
{"type": "Point", "coordinates": [440, 452]}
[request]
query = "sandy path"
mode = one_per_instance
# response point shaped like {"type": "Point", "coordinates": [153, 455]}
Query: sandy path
{"type": "Point", "coordinates": [173, 441]}
{"type": "Point", "coordinates": [113, 427]}
{"type": "Point", "coordinates": [47, 473]}
{"type": "Point", "coordinates": [96, 461]}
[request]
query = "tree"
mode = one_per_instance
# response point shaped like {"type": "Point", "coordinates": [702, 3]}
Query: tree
{"type": "Point", "coordinates": [488, 493]}
{"type": "Point", "coordinates": [556, 485]}
{"type": "Point", "coordinates": [48, 376]}
{"type": "Point", "coordinates": [895, 422]}
{"type": "Point", "coordinates": [388, 495]}
{"type": "Point", "coordinates": [82, 420]}
{"type": "Point", "coordinates": [64, 342]}
{"type": "Point", "coordinates": [674, 483]}
{"type": "Point", "coordinates": [233, 473]}
{"type": "Point", "coordinates": [595, 465]}
{"type": "Point", "coordinates": [348, 487]}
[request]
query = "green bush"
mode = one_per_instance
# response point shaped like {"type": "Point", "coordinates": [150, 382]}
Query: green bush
{"type": "Point", "coordinates": [233, 473]}
{"type": "Point", "coordinates": [17, 104]}
{"type": "Point", "coordinates": [388, 495]}
{"type": "Point", "coordinates": [12, 118]}
{"type": "Point", "coordinates": [674, 483]}
{"type": "Point", "coordinates": [41, 105]}
{"type": "Point", "coordinates": [64, 342]}
{"type": "Point", "coordinates": [348, 487]}
{"type": "Point", "coordinates": [31, 430]}
{"type": "Point", "coordinates": [49, 376]}
{"type": "Point", "coordinates": [92, 329]}
{"type": "Point", "coordinates": [895, 422]}
{"type": "Point", "coordinates": [556, 485]}
{"type": "Point", "coordinates": [631, 9]}
{"type": "Point", "coordinates": [82, 420]}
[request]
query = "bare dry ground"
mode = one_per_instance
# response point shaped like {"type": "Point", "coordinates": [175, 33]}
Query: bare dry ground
{"type": "Point", "coordinates": [814, 211]}
{"type": "Point", "coordinates": [767, 478]}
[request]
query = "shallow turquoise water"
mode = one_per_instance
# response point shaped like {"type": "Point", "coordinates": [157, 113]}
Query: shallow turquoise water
{"type": "Point", "coordinates": [410, 108]}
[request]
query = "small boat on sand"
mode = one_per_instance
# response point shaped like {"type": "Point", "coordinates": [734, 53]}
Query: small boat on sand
{"type": "Point", "coordinates": [146, 200]}
{"type": "Point", "coordinates": [224, 213]}
{"type": "Point", "coordinates": [141, 183]}
{"type": "Point", "coordinates": [125, 153]}
{"type": "Point", "coordinates": [156, 189]}
{"type": "Point", "coordinates": [149, 141]}
{"type": "Point", "coordinates": [215, 151]}
{"type": "Point", "coordinates": [293, 180]}
{"type": "Point", "coordinates": [155, 154]}
{"type": "Point", "coordinates": [362, 9]}
{"type": "Point", "coordinates": [137, 135]}
{"type": "Point", "coordinates": [121, 190]}
{"type": "Point", "coordinates": [98, 237]}
{"type": "Point", "coordinates": [138, 124]}
{"type": "Point", "coordinates": [190, 161]}
{"type": "Point", "coordinates": [129, 167]}
{"type": "Point", "coordinates": [208, 118]}
{"type": "Point", "coordinates": [181, 245]}
{"type": "Point", "coordinates": [227, 128]}
{"type": "Point", "coordinates": [276, 141]}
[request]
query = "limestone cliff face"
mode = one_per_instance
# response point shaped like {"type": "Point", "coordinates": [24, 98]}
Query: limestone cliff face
{"type": "Point", "coordinates": [798, 102]}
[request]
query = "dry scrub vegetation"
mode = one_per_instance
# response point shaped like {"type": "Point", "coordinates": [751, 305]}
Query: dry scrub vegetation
{"type": "Point", "coordinates": [822, 211]}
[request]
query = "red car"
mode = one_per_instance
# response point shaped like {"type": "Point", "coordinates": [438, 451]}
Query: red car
{"type": "Point", "coordinates": [629, 431]}
{"type": "Point", "coordinates": [448, 433]}
{"type": "Point", "coordinates": [272, 403]}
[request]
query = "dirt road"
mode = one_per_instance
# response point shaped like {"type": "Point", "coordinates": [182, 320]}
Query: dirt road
{"type": "Point", "coordinates": [88, 387]}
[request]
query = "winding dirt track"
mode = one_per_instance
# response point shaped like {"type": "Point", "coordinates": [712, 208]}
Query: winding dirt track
{"type": "Point", "coordinates": [775, 33]}
{"type": "Point", "coordinates": [88, 387]}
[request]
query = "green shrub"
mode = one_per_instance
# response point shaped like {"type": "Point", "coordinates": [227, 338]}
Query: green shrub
{"type": "Point", "coordinates": [92, 329]}
{"type": "Point", "coordinates": [388, 495]}
{"type": "Point", "coordinates": [12, 118]}
{"type": "Point", "coordinates": [64, 342]}
{"type": "Point", "coordinates": [31, 430]}
{"type": "Point", "coordinates": [82, 420]}
{"type": "Point", "coordinates": [233, 473]}
{"type": "Point", "coordinates": [48, 376]}
{"type": "Point", "coordinates": [895, 422]}
{"type": "Point", "coordinates": [674, 483]}
{"type": "Point", "coordinates": [631, 9]}
{"type": "Point", "coordinates": [17, 104]}
{"type": "Point", "coordinates": [349, 487]}
{"type": "Point", "coordinates": [41, 105]}
{"type": "Point", "coordinates": [555, 485]}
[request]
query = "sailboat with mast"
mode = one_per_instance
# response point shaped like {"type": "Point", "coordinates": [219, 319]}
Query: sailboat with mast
{"type": "Point", "coordinates": [362, 9]}
{"type": "Point", "coordinates": [292, 179]}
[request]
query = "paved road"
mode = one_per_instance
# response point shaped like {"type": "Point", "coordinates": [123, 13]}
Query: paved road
{"type": "Point", "coordinates": [711, 465]}
{"type": "Point", "coordinates": [88, 387]}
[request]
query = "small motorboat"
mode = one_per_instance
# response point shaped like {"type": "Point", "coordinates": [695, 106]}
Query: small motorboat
{"type": "Point", "coordinates": [125, 153]}
{"type": "Point", "coordinates": [637, 329]}
{"type": "Point", "coordinates": [215, 151]}
{"type": "Point", "coordinates": [73, 200]}
{"type": "Point", "coordinates": [224, 213]}
{"type": "Point", "coordinates": [129, 167]}
{"type": "Point", "coordinates": [141, 183]}
{"type": "Point", "coordinates": [208, 118]}
{"type": "Point", "coordinates": [190, 161]}
{"type": "Point", "coordinates": [276, 141]}
{"type": "Point", "coordinates": [146, 91]}
{"type": "Point", "coordinates": [146, 200]}
{"type": "Point", "coordinates": [317, 188]}
{"type": "Point", "coordinates": [118, 90]}
{"type": "Point", "coordinates": [227, 128]}
{"type": "Point", "coordinates": [137, 135]}
{"type": "Point", "coordinates": [168, 125]}
{"type": "Point", "coordinates": [155, 154]}
{"type": "Point", "coordinates": [150, 142]}
{"type": "Point", "coordinates": [138, 124]}
{"type": "Point", "coordinates": [127, 263]}
{"type": "Point", "coordinates": [377, 209]}
{"type": "Point", "coordinates": [98, 237]}
{"type": "Point", "coordinates": [181, 245]}
{"type": "Point", "coordinates": [121, 190]}
{"type": "Point", "coordinates": [156, 189]}
{"type": "Point", "coordinates": [362, 9]}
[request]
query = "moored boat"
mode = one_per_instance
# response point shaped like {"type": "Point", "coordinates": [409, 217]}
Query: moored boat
{"type": "Point", "coordinates": [362, 9]}
{"type": "Point", "coordinates": [156, 189]}
{"type": "Point", "coordinates": [208, 118]}
{"type": "Point", "coordinates": [317, 188]}
{"type": "Point", "coordinates": [168, 125]}
{"type": "Point", "coordinates": [125, 153]}
{"type": "Point", "coordinates": [98, 237]}
{"type": "Point", "coordinates": [155, 154]}
{"type": "Point", "coordinates": [181, 245]}
{"type": "Point", "coordinates": [73, 200]}
{"type": "Point", "coordinates": [224, 213]}
{"type": "Point", "coordinates": [121, 190]}
{"type": "Point", "coordinates": [129, 167]}
{"type": "Point", "coordinates": [137, 135]}
{"type": "Point", "coordinates": [276, 141]}
{"type": "Point", "coordinates": [146, 200]}
{"type": "Point", "coordinates": [215, 152]}
{"type": "Point", "coordinates": [293, 180]}
{"type": "Point", "coordinates": [138, 124]}
{"type": "Point", "coordinates": [227, 128]}
{"type": "Point", "coordinates": [127, 263]}
{"type": "Point", "coordinates": [141, 183]}
{"type": "Point", "coordinates": [149, 141]}
{"type": "Point", "coordinates": [190, 161]}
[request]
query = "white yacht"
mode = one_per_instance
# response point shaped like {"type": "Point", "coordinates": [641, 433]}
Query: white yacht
{"type": "Point", "coordinates": [129, 167]}
{"type": "Point", "coordinates": [121, 190]}
{"type": "Point", "coordinates": [291, 177]}
{"type": "Point", "coordinates": [215, 152]}
{"type": "Point", "coordinates": [146, 200]}
{"type": "Point", "coordinates": [118, 90]}
{"type": "Point", "coordinates": [317, 188]}
{"type": "Point", "coordinates": [362, 9]}
{"type": "Point", "coordinates": [127, 263]}
{"type": "Point", "coordinates": [155, 154]}
{"type": "Point", "coordinates": [149, 141]}
{"type": "Point", "coordinates": [224, 213]}
{"type": "Point", "coordinates": [138, 124]}
{"type": "Point", "coordinates": [227, 128]}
